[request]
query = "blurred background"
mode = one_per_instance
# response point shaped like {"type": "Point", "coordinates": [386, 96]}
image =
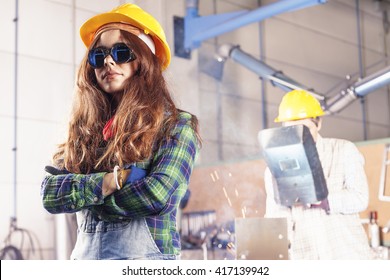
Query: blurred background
{"type": "Point", "coordinates": [232, 77]}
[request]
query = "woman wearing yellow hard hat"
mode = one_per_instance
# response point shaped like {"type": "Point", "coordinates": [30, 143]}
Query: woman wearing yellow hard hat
{"type": "Point", "coordinates": [329, 229]}
{"type": "Point", "coordinates": [129, 153]}
{"type": "Point", "coordinates": [136, 21]}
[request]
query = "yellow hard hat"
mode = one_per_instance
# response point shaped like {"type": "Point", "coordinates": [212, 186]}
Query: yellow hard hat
{"type": "Point", "coordinates": [133, 15]}
{"type": "Point", "coordinates": [298, 104]}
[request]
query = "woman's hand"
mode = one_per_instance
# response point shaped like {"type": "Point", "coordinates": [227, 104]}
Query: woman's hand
{"type": "Point", "coordinates": [110, 183]}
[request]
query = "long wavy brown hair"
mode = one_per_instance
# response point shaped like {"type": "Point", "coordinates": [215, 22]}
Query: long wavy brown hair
{"type": "Point", "coordinates": [143, 118]}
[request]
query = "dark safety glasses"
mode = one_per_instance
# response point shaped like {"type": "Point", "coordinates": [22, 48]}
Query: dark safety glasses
{"type": "Point", "coordinates": [120, 53]}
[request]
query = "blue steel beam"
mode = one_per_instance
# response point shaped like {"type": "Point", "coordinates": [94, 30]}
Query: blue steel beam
{"type": "Point", "coordinates": [197, 29]}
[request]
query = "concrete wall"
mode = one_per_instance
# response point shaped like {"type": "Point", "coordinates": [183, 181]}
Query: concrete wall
{"type": "Point", "coordinates": [316, 46]}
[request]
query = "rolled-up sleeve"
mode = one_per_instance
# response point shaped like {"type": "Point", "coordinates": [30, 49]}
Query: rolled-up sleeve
{"type": "Point", "coordinates": [68, 193]}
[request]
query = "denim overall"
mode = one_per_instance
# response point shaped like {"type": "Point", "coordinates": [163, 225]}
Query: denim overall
{"type": "Point", "coordinates": [128, 239]}
{"type": "Point", "coordinates": [114, 240]}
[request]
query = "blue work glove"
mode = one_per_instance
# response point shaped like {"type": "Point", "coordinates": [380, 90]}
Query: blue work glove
{"type": "Point", "coordinates": [55, 171]}
{"type": "Point", "coordinates": [136, 174]}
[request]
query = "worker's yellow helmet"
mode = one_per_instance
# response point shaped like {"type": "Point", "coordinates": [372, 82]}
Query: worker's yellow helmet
{"type": "Point", "coordinates": [135, 16]}
{"type": "Point", "coordinates": [298, 104]}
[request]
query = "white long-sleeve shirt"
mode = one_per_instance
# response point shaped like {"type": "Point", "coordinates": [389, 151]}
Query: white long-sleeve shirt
{"type": "Point", "coordinates": [314, 234]}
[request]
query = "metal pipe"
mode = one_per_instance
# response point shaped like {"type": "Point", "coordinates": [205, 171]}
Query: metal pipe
{"type": "Point", "coordinates": [219, 108]}
{"type": "Point", "coordinates": [358, 90]}
{"type": "Point", "coordinates": [192, 7]}
{"type": "Point", "coordinates": [264, 115]}
{"type": "Point", "coordinates": [277, 78]}
{"type": "Point", "coordinates": [359, 39]}
{"type": "Point", "coordinates": [339, 101]}
{"type": "Point", "coordinates": [372, 82]}
{"type": "Point", "coordinates": [361, 69]}
{"type": "Point", "coordinates": [14, 149]}
{"type": "Point", "coordinates": [201, 34]}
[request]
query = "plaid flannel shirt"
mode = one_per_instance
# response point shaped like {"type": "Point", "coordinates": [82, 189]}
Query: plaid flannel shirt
{"type": "Point", "coordinates": [155, 197]}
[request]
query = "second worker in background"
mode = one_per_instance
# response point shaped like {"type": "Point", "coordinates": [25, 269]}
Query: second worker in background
{"type": "Point", "coordinates": [331, 229]}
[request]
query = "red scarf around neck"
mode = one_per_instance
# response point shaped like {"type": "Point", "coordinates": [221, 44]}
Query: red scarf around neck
{"type": "Point", "coordinates": [108, 130]}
